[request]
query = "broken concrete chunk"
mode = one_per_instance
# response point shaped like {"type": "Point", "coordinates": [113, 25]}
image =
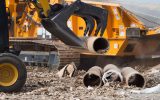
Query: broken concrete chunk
{"type": "Point", "coordinates": [93, 77]}
{"type": "Point", "coordinates": [69, 70]}
{"type": "Point", "coordinates": [111, 74]}
{"type": "Point", "coordinates": [133, 77]}
{"type": "Point", "coordinates": [62, 71]}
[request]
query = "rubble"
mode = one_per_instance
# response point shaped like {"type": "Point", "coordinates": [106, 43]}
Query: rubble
{"type": "Point", "coordinates": [69, 69]}
{"type": "Point", "coordinates": [68, 88]}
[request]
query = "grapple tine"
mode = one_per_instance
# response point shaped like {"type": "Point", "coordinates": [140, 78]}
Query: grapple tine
{"type": "Point", "coordinates": [101, 24]}
{"type": "Point", "coordinates": [98, 27]}
{"type": "Point", "coordinates": [89, 25]}
{"type": "Point", "coordinates": [104, 25]}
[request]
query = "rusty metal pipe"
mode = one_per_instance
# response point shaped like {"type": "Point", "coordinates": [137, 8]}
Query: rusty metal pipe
{"type": "Point", "coordinates": [133, 77]}
{"type": "Point", "coordinates": [93, 77]}
{"type": "Point", "coordinates": [111, 74]}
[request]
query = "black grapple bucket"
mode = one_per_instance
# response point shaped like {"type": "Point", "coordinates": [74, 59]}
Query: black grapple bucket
{"type": "Point", "coordinates": [56, 24]}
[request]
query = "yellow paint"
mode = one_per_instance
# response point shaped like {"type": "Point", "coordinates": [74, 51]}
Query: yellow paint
{"type": "Point", "coordinates": [154, 31]}
{"type": "Point", "coordinates": [78, 25]}
{"type": "Point", "coordinates": [8, 74]}
{"type": "Point", "coordinates": [119, 19]}
{"type": "Point", "coordinates": [115, 47]}
{"type": "Point", "coordinates": [21, 30]}
{"type": "Point", "coordinates": [45, 6]}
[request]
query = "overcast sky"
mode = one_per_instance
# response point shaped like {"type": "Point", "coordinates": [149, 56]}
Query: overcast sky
{"type": "Point", "coordinates": [151, 7]}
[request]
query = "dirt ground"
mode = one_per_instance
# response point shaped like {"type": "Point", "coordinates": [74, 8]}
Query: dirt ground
{"type": "Point", "coordinates": [43, 83]}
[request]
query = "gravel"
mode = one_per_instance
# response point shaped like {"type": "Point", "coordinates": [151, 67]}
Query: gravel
{"type": "Point", "coordinates": [44, 84]}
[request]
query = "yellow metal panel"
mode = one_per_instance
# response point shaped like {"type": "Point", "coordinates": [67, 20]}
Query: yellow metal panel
{"type": "Point", "coordinates": [154, 31]}
{"type": "Point", "coordinates": [26, 28]}
{"type": "Point", "coordinates": [12, 8]}
{"type": "Point", "coordinates": [55, 1]}
{"type": "Point", "coordinates": [45, 6]}
{"type": "Point", "coordinates": [118, 21]}
{"type": "Point", "coordinates": [116, 46]}
{"type": "Point", "coordinates": [78, 25]}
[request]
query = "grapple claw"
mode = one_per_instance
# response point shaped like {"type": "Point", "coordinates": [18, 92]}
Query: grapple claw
{"type": "Point", "coordinates": [89, 25]}
{"type": "Point", "coordinates": [99, 15]}
{"type": "Point", "coordinates": [57, 24]}
{"type": "Point", "coordinates": [98, 27]}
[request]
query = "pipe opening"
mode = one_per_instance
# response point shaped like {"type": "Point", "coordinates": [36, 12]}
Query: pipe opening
{"type": "Point", "coordinates": [101, 45]}
{"type": "Point", "coordinates": [136, 80]}
{"type": "Point", "coordinates": [92, 80]}
{"type": "Point", "coordinates": [113, 77]}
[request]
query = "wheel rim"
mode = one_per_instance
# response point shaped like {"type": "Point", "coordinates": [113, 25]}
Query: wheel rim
{"type": "Point", "coordinates": [8, 74]}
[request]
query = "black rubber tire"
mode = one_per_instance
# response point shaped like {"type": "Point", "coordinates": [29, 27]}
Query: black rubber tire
{"type": "Point", "coordinates": [22, 72]}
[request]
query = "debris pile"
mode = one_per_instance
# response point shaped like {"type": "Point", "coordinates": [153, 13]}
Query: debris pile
{"type": "Point", "coordinates": [43, 83]}
{"type": "Point", "coordinates": [96, 76]}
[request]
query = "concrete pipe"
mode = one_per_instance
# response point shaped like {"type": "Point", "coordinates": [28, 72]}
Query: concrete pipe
{"type": "Point", "coordinates": [111, 74]}
{"type": "Point", "coordinates": [93, 77]}
{"type": "Point", "coordinates": [133, 77]}
{"type": "Point", "coordinates": [97, 44]}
